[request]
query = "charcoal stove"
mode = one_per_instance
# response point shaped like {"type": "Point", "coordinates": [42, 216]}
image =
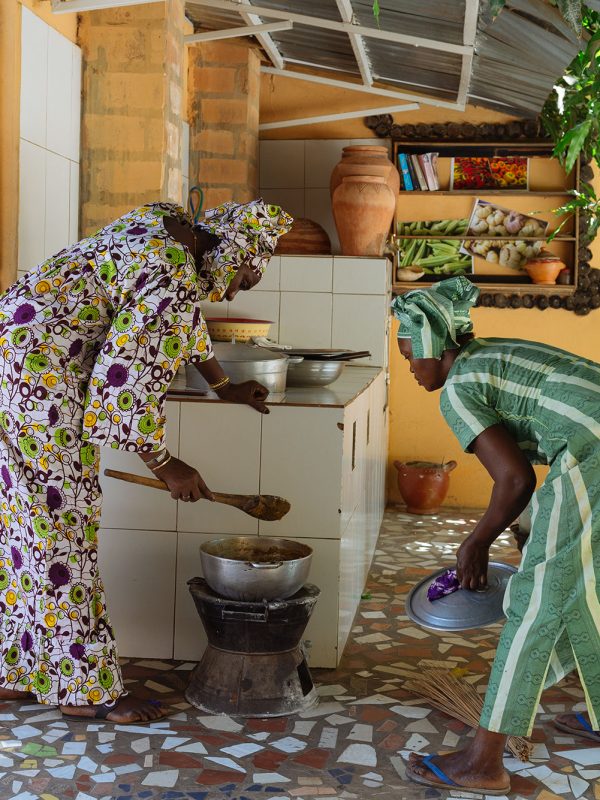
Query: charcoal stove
{"type": "Point", "coordinates": [253, 665]}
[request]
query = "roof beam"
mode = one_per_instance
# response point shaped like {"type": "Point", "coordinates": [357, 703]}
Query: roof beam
{"type": "Point", "coordinates": [358, 46]}
{"type": "Point", "coordinates": [469, 33]}
{"type": "Point", "coordinates": [233, 33]}
{"type": "Point", "coordinates": [75, 6]}
{"type": "Point", "coordinates": [365, 112]}
{"type": "Point", "coordinates": [359, 87]}
{"type": "Point", "coordinates": [333, 25]}
{"type": "Point", "coordinates": [264, 39]}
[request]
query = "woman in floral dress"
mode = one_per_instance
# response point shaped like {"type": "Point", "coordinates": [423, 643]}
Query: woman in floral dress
{"type": "Point", "coordinates": [90, 341]}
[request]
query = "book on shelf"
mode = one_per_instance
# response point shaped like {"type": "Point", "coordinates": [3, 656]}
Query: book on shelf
{"type": "Point", "coordinates": [419, 172]}
{"type": "Point", "coordinates": [406, 179]}
{"type": "Point", "coordinates": [413, 174]}
{"type": "Point", "coordinates": [429, 166]}
{"type": "Point", "coordinates": [421, 180]}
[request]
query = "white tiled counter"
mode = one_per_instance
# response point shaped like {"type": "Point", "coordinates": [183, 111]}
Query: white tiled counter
{"type": "Point", "coordinates": [322, 449]}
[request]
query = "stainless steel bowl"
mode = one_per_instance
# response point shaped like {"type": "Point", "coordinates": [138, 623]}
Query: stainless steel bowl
{"type": "Point", "coordinates": [242, 362]}
{"type": "Point", "coordinates": [255, 568]}
{"type": "Point", "coordinates": [314, 373]}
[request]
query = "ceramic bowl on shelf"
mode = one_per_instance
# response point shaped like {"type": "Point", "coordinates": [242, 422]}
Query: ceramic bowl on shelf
{"type": "Point", "coordinates": [545, 268]}
{"type": "Point", "coordinates": [409, 273]}
{"type": "Point", "coordinates": [238, 329]}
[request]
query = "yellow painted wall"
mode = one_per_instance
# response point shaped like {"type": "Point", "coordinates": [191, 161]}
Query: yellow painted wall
{"type": "Point", "coordinates": [417, 430]}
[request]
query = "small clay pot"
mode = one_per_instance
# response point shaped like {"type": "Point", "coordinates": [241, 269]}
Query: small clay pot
{"type": "Point", "coordinates": [423, 484]}
{"type": "Point", "coordinates": [544, 268]}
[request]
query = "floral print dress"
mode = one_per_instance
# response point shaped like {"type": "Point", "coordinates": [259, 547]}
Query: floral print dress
{"type": "Point", "coordinates": [90, 341]}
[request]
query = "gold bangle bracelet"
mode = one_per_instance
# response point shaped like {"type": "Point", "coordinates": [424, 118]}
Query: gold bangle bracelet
{"type": "Point", "coordinates": [162, 464]}
{"type": "Point", "coordinates": [223, 382]}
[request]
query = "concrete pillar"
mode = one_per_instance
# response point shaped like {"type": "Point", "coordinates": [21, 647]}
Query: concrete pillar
{"type": "Point", "coordinates": [131, 114]}
{"type": "Point", "coordinates": [223, 97]}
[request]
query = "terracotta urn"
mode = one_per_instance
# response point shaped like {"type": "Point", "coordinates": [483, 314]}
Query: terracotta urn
{"type": "Point", "coordinates": [365, 160]}
{"type": "Point", "coordinates": [544, 268]}
{"type": "Point", "coordinates": [423, 484]}
{"type": "Point", "coordinates": [305, 237]}
{"type": "Point", "coordinates": [363, 210]}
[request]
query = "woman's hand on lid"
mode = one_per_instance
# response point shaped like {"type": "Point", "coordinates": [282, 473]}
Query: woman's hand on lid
{"type": "Point", "coordinates": [251, 393]}
{"type": "Point", "coordinates": [184, 482]}
{"type": "Point", "coordinates": [472, 563]}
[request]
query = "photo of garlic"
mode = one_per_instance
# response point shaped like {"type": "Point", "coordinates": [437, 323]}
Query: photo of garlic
{"type": "Point", "coordinates": [489, 219]}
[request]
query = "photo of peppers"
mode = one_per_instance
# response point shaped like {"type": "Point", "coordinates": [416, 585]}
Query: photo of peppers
{"type": "Point", "coordinates": [438, 256]}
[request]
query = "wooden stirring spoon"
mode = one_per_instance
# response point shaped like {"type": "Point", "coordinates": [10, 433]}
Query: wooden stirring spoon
{"type": "Point", "coordinates": [267, 507]}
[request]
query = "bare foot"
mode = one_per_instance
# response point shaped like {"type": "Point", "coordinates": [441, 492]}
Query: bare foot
{"type": "Point", "coordinates": [127, 710]}
{"type": "Point", "coordinates": [15, 694]}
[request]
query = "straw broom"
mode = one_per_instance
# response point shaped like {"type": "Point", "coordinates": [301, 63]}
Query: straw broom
{"type": "Point", "coordinates": [458, 699]}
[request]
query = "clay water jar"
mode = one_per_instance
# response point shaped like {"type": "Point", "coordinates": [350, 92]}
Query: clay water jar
{"type": "Point", "coordinates": [423, 484]}
{"type": "Point", "coordinates": [363, 209]}
{"type": "Point", "coordinates": [365, 159]}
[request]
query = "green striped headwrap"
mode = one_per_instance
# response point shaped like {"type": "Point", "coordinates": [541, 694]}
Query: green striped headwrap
{"type": "Point", "coordinates": [434, 318]}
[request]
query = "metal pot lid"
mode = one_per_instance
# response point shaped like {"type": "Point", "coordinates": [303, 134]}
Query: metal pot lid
{"type": "Point", "coordinates": [232, 352]}
{"type": "Point", "coordinates": [463, 609]}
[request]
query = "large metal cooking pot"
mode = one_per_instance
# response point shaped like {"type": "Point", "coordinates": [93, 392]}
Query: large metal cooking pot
{"type": "Point", "coordinates": [255, 568]}
{"type": "Point", "coordinates": [243, 362]}
{"type": "Point", "coordinates": [314, 373]}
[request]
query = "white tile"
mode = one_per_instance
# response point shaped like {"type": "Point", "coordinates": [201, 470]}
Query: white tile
{"type": "Point", "coordinates": [74, 202]}
{"type": "Point", "coordinates": [32, 204]}
{"type": "Point", "coordinates": [74, 142]}
{"type": "Point", "coordinates": [257, 305]}
{"type": "Point", "coordinates": [372, 141]}
{"type": "Point", "coordinates": [321, 157]}
{"type": "Point", "coordinates": [282, 164]}
{"type": "Point", "coordinates": [233, 431]}
{"type": "Point", "coordinates": [185, 191]}
{"type": "Point", "coordinates": [138, 507]}
{"type": "Point", "coordinates": [305, 319]}
{"type": "Point", "coordinates": [58, 185]}
{"type": "Point", "coordinates": [137, 595]}
{"type": "Point", "coordinates": [318, 208]}
{"type": "Point", "coordinates": [361, 275]}
{"type": "Point", "coordinates": [306, 273]}
{"type": "Point", "coordinates": [34, 77]}
{"type": "Point", "coordinates": [291, 200]}
{"type": "Point", "coordinates": [270, 277]}
{"type": "Point", "coordinates": [185, 149]}
{"type": "Point", "coordinates": [359, 323]}
{"type": "Point", "coordinates": [58, 114]}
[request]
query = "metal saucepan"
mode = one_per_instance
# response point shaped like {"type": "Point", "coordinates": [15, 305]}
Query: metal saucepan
{"type": "Point", "coordinates": [255, 568]}
{"type": "Point", "coordinates": [242, 362]}
{"type": "Point", "coordinates": [310, 373]}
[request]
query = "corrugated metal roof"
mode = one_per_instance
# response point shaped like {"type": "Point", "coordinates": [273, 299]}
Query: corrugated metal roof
{"type": "Point", "coordinates": [516, 60]}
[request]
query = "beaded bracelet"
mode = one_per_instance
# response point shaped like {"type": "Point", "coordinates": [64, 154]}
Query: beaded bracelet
{"type": "Point", "coordinates": [219, 384]}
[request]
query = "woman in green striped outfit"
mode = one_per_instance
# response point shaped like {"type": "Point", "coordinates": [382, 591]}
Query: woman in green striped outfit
{"type": "Point", "coordinates": [516, 403]}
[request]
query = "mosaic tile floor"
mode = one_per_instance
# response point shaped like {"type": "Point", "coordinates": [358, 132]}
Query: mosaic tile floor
{"type": "Point", "coordinates": [352, 745]}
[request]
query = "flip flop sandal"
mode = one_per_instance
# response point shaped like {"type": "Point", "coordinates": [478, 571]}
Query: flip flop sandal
{"type": "Point", "coordinates": [446, 782]}
{"type": "Point", "coordinates": [587, 732]}
{"type": "Point", "coordinates": [103, 710]}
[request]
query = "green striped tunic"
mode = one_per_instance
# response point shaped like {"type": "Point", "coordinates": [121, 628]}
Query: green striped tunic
{"type": "Point", "coordinates": [549, 401]}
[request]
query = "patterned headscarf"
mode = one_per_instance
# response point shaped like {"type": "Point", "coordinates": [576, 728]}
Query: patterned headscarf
{"type": "Point", "coordinates": [249, 234]}
{"type": "Point", "coordinates": [433, 319]}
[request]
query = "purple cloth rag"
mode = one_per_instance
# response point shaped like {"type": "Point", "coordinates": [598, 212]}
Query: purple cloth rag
{"type": "Point", "coordinates": [445, 584]}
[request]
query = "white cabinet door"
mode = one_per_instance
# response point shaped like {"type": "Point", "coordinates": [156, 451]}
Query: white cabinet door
{"type": "Point", "coordinates": [138, 570]}
{"type": "Point", "coordinates": [302, 461]}
{"type": "Point", "coordinates": [223, 442]}
{"type": "Point", "coordinates": [126, 505]}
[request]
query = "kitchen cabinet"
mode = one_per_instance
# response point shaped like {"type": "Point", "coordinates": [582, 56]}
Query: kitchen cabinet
{"type": "Point", "coordinates": [323, 449]}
